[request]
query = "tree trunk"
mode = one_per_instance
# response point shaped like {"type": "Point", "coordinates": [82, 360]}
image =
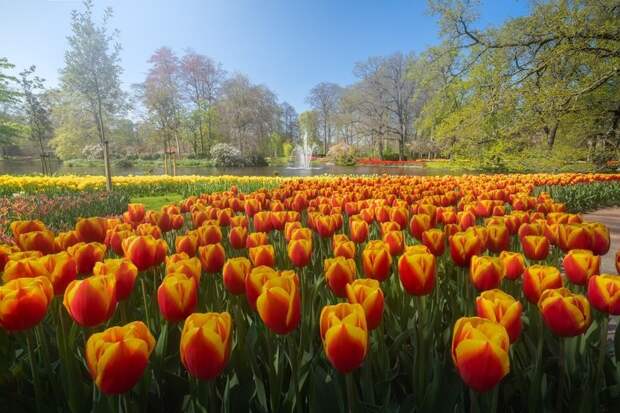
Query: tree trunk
{"type": "Point", "coordinates": [401, 149]}
{"type": "Point", "coordinates": [104, 142]}
{"type": "Point", "coordinates": [551, 133]}
{"type": "Point", "coordinates": [325, 144]}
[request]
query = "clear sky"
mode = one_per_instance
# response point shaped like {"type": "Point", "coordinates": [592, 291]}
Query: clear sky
{"type": "Point", "coordinates": [288, 45]}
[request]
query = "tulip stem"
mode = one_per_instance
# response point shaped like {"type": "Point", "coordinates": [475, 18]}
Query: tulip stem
{"type": "Point", "coordinates": [351, 393]}
{"type": "Point", "coordinates": [35, 374]}
{"type": "Point", "coordinates": [600, 373]}
{"type": "Point", "coordinates": [562, 372]}
{"type": "Point", "coordinates": [146, 306]}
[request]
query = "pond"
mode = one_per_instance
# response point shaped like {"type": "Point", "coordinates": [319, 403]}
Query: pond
{"type": "Point", "coordinates": [33, 166]}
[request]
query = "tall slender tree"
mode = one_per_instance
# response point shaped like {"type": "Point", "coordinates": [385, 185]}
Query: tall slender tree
{"type": "Point", "coordinates": [92, 72]}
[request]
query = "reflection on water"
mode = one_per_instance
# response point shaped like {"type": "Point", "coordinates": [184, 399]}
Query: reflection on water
{"type": "Point", "coordinates": [27, 167]}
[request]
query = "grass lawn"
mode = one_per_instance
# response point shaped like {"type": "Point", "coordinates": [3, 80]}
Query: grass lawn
{"type": "Point", "coordinates": [156, 202]}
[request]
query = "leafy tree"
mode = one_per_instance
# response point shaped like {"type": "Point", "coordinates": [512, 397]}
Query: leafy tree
{"type": "Point", "coordinates": [92, 72]}
{"type": "Point", "coordinates": [9, 128]}
{"type": "Point", "coordinates": [324, 100]}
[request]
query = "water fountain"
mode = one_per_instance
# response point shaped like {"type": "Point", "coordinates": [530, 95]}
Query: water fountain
{"type": "Point", "coordinates": [303, 153]}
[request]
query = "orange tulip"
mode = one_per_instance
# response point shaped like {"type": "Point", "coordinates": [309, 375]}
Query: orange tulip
{"type": "Point", "coordinates": [580, 265]}
{"type": "Point", "coordinates": [376, 260]}
{"type": "Point", "coordinates": [124, 272]}
{"type": "Point", "coordinates": [289, 228]}
{"type": "Point", "coordinates": [513, 264]}
{"type": "Point", "coordinates": [367, 292]}
{"type": "Point", "coordinates": [5, 252]}
{"type": "Point", "coordinates": [91, 301]}
{"type": "Point", "coordinates": [237, 237]}
{"type": "Point", "coordinates": [278, 220]}
{"type": "Point", "coordinates": [117, 357]}
{"type": "Point", "coordinates": [177, 297]}
{"type": "Point", "coordinates": [255, 280]}
{"type": "Point", "coordinates": [22, 227]}
{"type": "Point", "coordinates": [499, 238]}
{"type": "Point", "coordinates": [344, 249]}
{"type": "Point", "coordinates": [191, 267]}
{"type": "Point", "coordinates": [465, 219]}
{"type": "Point", "coordinates": [463, 246]}
{"type": "Point", "coordinates": [86, 255]}
{"type": "Point", "coordinates": [256, 238]}
{"type": "Point", "coordinates": [149, 229]}
{"type": "Point", "coordinates": [212, 257]}
{"type": "Point", "coordinates": [325, 225]}
{"type": "Point", "coordinates": [24, 302]}
{"type": "Point", "coordinates": [136, 212]}
{"type": "Point", "coordinates": [496, 305]}
{"type": "Point", "coordinates": [114, 238]}
{"type": "Point", "coordinates": [435, 240]}
{"type": "Point", "coordinates": [575, 236]}
{"type": "Point", "coordinates": [262, 221]}
{"type": "Point", "coordinates": [566, 314]}
{"type": "Point", "coordinates": [345, 335]}
{"type": "Point", "coordinates": [301, 233]}
{"type": "Point", "coordinates": [187, 244]}
{"type": "Point", "coordinates": [234, 273]}
{"type": "Point", "coordinates": [600, 238]}
{"type": "Point", "coordinates": [263, 255]}
{"type": "Point", "coordinates": [279, 303]}
{"type": "Point", "coordinates": [42, 241]}
{"type": "Point", "coordinates": [417, 272]}
{"type": "Point", "coordinates": [480, 352]}
{"type": "Point", "coordinates": [604, 293]}
{"type": "Point", "coordinates": [388, 226]}
{"type": "Point", "coordinates": [535, 247]}
{"type": "Point", "coordinates": [91, 229]}
{"type": "Point", "coordinates": [420, 223]}
{"type": "Point", "coordinates": [485, 272]}
{"type": "Point", "coordinates": [145, 251]}
{"type": "Point", "coordinates": [161, 219]}
{"type": "Point", "coordinates": [205, 344]}
{"type": "Point", "coordinates": [66, 239]}
{"type": "Point", "coordinates": [299, 252]}
{"type": "Point", "coordinates": [400, 215]}
{"type": "Point", "coordinates": [538, 278]}
{"type": "Point", "coordinates": [339, 272]}
{"type": "Point", "coordinates": [395, 241]}
{"type": "Point", "coordinates": [358, 231]}
{"type": "Point", "coordinates": [60, 268]}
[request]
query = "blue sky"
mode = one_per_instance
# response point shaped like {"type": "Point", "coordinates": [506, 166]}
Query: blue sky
{"type": "Point", "coordinates": [287, 45]}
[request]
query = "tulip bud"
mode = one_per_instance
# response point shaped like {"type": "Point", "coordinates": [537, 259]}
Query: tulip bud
{"type": "Point", "coordinates": [358, 230]}
{"type": "Point", "coordinates": [463, 246]}
{"type": "Point", "coordinates": [237, 237]}
{"type": "Point", "coordinates": [339, 272]}
{"type": "Point", "coordinates": [486, 272]}
{"type": "Point", "coordinates": [580, 265]}
{"type": "Point", "coordinates": [263, 255]}
{"type": "Point", "coordinates": [279, 303]}
{"type": "Point", "coordinates": [417, 272]}
{"type": "Point", "coordinates": [497, 306]}
{"type": "Point", "coordinates": [124, 272]}
{"type": "Point", "coordinates": [604, 293]}
{"type": "Point", "coordinates": [435, 240]}
{"type": "Point", "coordinates": [480, 352]}
{"type": "Point", "coordinates": [145, 251]}
{"type": "Point", "coordinates": [420, 223]}
{"type": "Point", "coordinates": [299, 252]}
{"type": "Point", "coordinates": [177, 297]}
{"type": "Point", "coordinates": [345, 335]}
{"type": "Point", "coordinates": [212, 257]}
{"type": "Point", "coordinates": [234, 273]}
{"type": "Point", "coordinates": [262, 221]}
{"type": "Point", "coordinates": [205, 344]}
{"type": "Point", "coordinates": [191, 267]}
{"type": "Point", "coordinates": [538, 278]}
{"type": "Point", "coordinates": [367, 292]}
{"type": "Point", "coordinates": [91, 301]}
{"type": "Point", "coordinates": [566, 314]}
{"type": "Point", "coordinates": [42, 241]}
{"type": "Point", "coordinates": [91, 229]}
{"type": "Point", "coordinates": [255, 280]}
{"type": "Point", "coordinates": [535, 247]}
{"type": "Point", "coordinates": [513, 264]}
{"type": "Point", "coordinates": [256, 238]}
{"type": "Point", "coordinates": [86, 255]}
{"type": "Point", "coordinates": [344, 249]}
{"type": "Point", "coordinates": [499, 238]}
{"type": "Point", "coordinates": [66, 239]}
{"type": "Point", "coordinates": [395, 242]}
{"type": "Point", "coordinates": [376, 260]}
{"type": "Point", "coordinates": [118, 356]}
{"type": "Point", "coordinates": [187, 244]}
{"type": "Point", "coordinates": [24, 302]}
{"type": "Point", "coordinates": [22, 227]}
{"type": "Point", "coordinates": [600, 238]}
{"type": "Point", "coordinates": [575, 236]}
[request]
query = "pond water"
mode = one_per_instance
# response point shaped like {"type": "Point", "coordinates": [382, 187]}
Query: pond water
{"type": "Point", "coordinates": [26, 167]}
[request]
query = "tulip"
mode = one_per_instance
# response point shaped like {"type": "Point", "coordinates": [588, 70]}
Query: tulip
{"type": "Point", "coordinates": [187, 244]}
{"type": "Point", "coordinates": [535, 247]}
{"type": "Point", "coordinates": [463, 246]}
{"type": "Point", "coordinates": [301, 233]}
{"type": "Point", "coordinates": [338, 238]}
{"type": "Point", "coordinates": [417, 272]}
{"type": "Point", "coordinates": [255, 280]}
{"type": "Point", "coordinates": [325, 225]}
{"type": "Point", "coordinates": [376, 260]}
{"type": "Point", "coordinates": [212, 257]}
{"type": "Point", "coordinates": [344, 249]}
{"type": "Point", "coordinates": [420, 223]}
{"type": "Point", "coordinates": [234, 273]}
{"type": "Point", "coordinates": [205, 344]}
{"type": "Point", "coordinates": [575, 236]}
{"type": "Point", "coordinates": [465, 219]}
{"type": "Point", "coordinates": [367, 292]}
{"type": "Point", "coordinates": [161, 219]}
{"type": "Point", "coordinates": [289, 227]}
{"type": "Point", "coordinates": [177, 297]}
{"type": "Point", "coordinates": [566, 314]}
{"type": "Point", "coordinates": [239, 221]}
{"type": "Point", "coordinates": [124, 272]}
{"type": "Point", "coordinates": [513, 264]}
{"type": "Point", "coordinates": [358, 230]}
{"type": "Point", "coordinates": [262, 221]}
{"type": "Point", "coordinates": [339, 272]}
{"type": "Point", "coordinates": [530, 229]}
{"type": "Point", "coordinates": [117, 357]}
{"type": "Point", "coordinates": [91, 301]}
{"type": "Point", "coordinates": [604, 293]}
{"type": "Point", "coordinates": [400, 216]}
{"type": "Point", "coordinates": [480, 352]}
{"type": "Point", "coordinates": [580, 265]}
{"type": "Point", "coordinates": [279, 303]}
{"type": "Point", "coordinates": [256, 238]}
{"type": "Point", "coordinates": [22, 227]}
{"type": "Point", "coordinates": [24, 302]}
{"type": "Point", "coordinates": [136, 212]}
{"type": "Point", "coordinates": [191, 267]}
{"type": "Point", "coordinates": [145, 251]}
{"type": "Point", "coordinates": [149, 229]}
{"type": "Point", "coordinates": [42, 241]}
{"type": "Point", "coordinates": [388, 226]}
{"type": "Point", "coordinates": [435, 240]}
{"type": "Point", "coordinates": [208, 234]}
{"type": "Point", "coordinates": [395, 242]}
{"type": "Point", "coordinates": [278, 219]}
{"type": "Point", "coordinates": [60, 268]}
{"type": "Point", "coordinates": [91, 229]}
{"type": "Point", "coordinates": [345, 335]}
{"type": "Point", "coordinates": [66, 239]}
{"type": "Point", "coordinates": [486, 272]}
{"type": "Point", "coordinates": [538, 278]}
{"type": "Point", "coordinates": [237, 237]}
{"type": "Point", "coordinates": [114, 238]}
{"type": "Point", "coordinates": [600, 238]}
{"type": "Point", "coordinates": [299, 252]}
{"type": "Point", "coordinates": [5, 252]}
{"type": "Point", "coordinates": [497, 306]}
{"type": "Point", "coordinates": [263, 255]}
{"type": "Point", "coordinates": [499, 237]}
{"type": "Point", "coordinates": [86, 255]}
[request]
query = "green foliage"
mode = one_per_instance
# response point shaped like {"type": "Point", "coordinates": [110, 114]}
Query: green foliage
{"type": "Point", "coordinates": [584, 197]}
{"type": "Point", "coordinates": [224, 154]}
{"type": "Point", "coordinates": [156, 202]}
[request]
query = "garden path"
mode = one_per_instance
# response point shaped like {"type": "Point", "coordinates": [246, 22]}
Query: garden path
{"type": "Point", "coordinates": [611, 218]}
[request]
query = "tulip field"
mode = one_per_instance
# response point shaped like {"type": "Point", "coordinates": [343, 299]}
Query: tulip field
{"type": "Point", "coordinates": [328, 294]}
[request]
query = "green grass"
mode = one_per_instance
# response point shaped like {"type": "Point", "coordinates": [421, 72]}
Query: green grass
{"type": "Point", "coordinates": [156, 202]}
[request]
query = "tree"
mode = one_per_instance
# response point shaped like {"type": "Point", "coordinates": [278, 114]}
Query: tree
{"type": "Point", "coordinates": [37, 112]}
{"type": "Point", "coordinates": [309, 124]}
{"type": "Point", "coordinates": [324, 100]}
{"type": "Point", "coordinates": [92, 72]}
{"type": "Point", "coordinates": [202, 79]}
{"type": "Point", "coordinates": [290, 121]}
{"type": "Point", "coordinates": [9, 128]}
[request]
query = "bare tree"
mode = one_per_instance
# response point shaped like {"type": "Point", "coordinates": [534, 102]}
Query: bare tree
{"type": "Point", "coordinates": [324, 99]}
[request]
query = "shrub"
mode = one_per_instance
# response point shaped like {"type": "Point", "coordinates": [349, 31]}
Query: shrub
{"type": "Point", "coordinates": [124, 163]}
{"type": "Point", "coordinates": [342, 154]}
{"type": "Point", "coordinates": [255, 159]}
{"type": "Point", "coordinates": [224, 154]}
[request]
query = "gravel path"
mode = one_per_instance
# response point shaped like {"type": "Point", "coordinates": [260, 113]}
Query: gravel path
{"type": "Point", "coordinates": [611, 218]}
